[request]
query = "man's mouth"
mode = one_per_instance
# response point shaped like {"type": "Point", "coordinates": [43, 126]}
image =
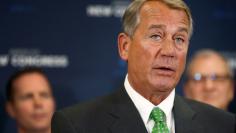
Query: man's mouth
{"type": "Point", "coordinates": [164, 70]}
{"type": "Point", "coordinates": [39, 116]}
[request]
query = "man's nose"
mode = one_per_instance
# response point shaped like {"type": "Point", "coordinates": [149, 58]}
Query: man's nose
{"type": "Point", "coordinates": [167, 48]}
{"type": "Point", "coordinates": [37, 102]}
{"type": "Point", "coordinates": [209, 85]}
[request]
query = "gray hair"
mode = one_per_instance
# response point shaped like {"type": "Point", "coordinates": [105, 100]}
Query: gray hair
{"type": "Point", "coordinates": [131, 17]}
{"type": "Point", "coordinates": [204, 53]}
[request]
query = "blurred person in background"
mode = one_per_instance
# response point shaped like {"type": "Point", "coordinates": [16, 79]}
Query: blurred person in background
{"type": "Point", "coordinates": [209, 79]}
{"type": "Point", "coordinates": [30, 101]}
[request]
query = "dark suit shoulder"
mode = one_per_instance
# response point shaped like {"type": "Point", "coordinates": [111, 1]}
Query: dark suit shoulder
{"type": "Point", "coordinates": [196, 117]}
{"type": "Point", "coordinates": [209, 110]}
{"type": "Point", "coordinates": [88, 107]}
{"type": "Point", "coordinates": [95, 105]}
{"type": "Point", "coordinates": [112, 113]}
{"type": "Point", "coordinates": [93, 112]}
{"type": "Point", "coordinates": [211, 115]}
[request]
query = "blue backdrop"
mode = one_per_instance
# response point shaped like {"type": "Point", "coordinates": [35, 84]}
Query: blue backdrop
{"type": "Point", "coordinates": [75, 42]}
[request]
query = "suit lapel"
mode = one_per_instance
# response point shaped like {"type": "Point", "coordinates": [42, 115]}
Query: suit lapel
{"type": "Point", "coordinates": [126, 117]}
{"type": "Point", "coordinates": [184, 117]}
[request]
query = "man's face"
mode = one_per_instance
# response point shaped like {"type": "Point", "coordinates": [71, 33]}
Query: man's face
{"type": "Point", "coordinates": [157, 51]}
{"type": "Point", "coordinates": [215, 87]}
{"type": "Point", "coordinates": [33, 103]}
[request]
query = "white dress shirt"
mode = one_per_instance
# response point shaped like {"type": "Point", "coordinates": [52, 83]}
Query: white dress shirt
{"type": "Point", "coordinates": [145, 107]}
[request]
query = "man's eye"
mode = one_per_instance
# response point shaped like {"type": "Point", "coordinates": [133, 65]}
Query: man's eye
{"type": "Point", "coordinates": [25, 97]}
{"type": "Point", "coordinates": [179, 40]}
{"type": "Point", "coordinates": [46, 95]}
{"type": "Point", "coordinates": [155, 37]}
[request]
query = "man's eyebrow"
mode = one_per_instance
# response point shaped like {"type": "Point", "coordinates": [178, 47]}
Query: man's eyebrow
{"type": "Point", "coordinates": [182, 29]}
{"type": "Point", "coordinates": [156, 26]}
{"type": "Point", "coordinates": [160, 26]}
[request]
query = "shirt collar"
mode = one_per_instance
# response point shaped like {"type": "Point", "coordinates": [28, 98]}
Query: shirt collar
{"type": "Point", "coordinates": [144, 106]}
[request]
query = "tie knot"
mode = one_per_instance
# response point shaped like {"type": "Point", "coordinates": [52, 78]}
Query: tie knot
{"type": "Point", "coordinates": [158, 115]}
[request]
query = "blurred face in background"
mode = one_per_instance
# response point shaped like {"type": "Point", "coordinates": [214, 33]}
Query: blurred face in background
{"type": "Point", "coordinates": [33, 104]}
{"type": "Point", "coordinates": [210, 82]}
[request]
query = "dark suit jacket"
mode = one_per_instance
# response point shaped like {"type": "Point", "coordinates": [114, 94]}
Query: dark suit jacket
{"type": "Point", "coordinates": [116, 113]}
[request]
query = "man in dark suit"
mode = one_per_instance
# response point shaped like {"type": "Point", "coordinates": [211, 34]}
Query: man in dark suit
{"type": "Point", "coordinates": [154, 42]}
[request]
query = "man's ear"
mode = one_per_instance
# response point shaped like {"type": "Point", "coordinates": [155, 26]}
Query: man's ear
{"type": "Point", "coordinates": [123, 45]}
{"type": "Point", "coordinates": [10, 109]}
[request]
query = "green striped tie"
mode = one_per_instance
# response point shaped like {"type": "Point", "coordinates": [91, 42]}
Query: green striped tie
{"type": "Point", "coordinates": [160, 121]}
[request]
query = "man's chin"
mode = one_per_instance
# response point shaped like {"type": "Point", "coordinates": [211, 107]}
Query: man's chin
{"type": "Point", "coordinates": [164, 85]}
{"type": "Point", "coordinates": [163, 88]}
{"type": "Point", "coordinates": [40, 126]}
